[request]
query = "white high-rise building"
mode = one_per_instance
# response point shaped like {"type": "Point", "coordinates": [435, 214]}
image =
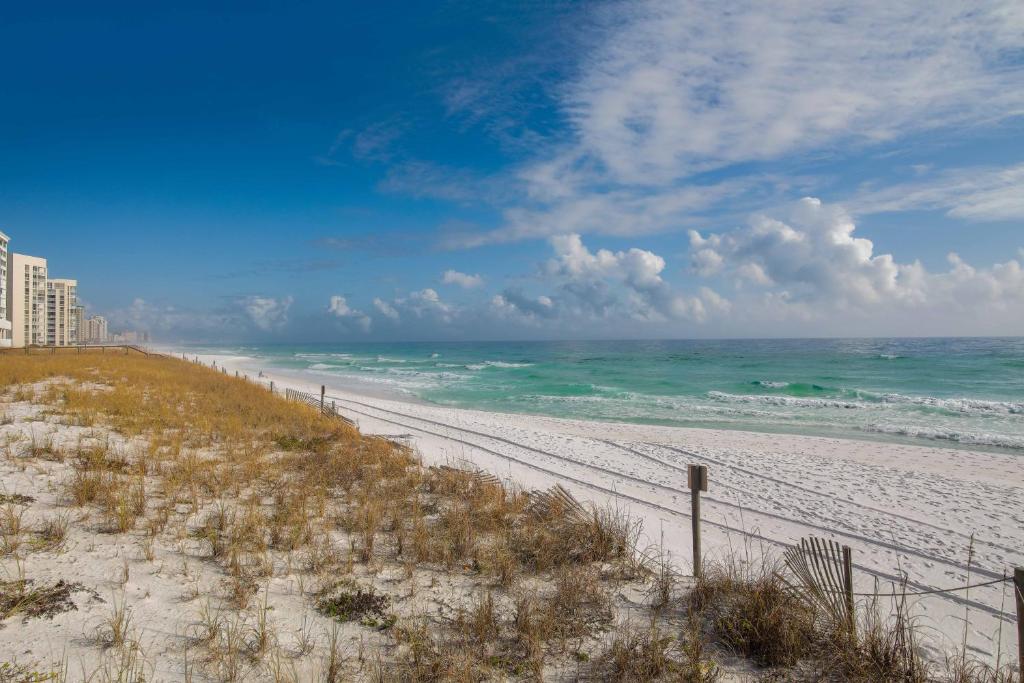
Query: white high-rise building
{"type": "Point", "coordinates": [96, 330]}
{"type": "Point", "coordinates": [26, 299]}
{"type": "Point", "coordinates": [61, 300]}
{"type": "Point", "coordinates": [5, 320]}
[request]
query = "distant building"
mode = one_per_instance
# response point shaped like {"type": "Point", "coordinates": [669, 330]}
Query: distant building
{"type": "Point", "coordinates": [78, 324]}
{"type": "Point", "coordinates": [26, 299]}
{"type": "Point", "coordinates": [61, 301]}
{"type": "Point", "coordinates": [5, 320]}
{"type": "Point", "coordinates": [96, 330]}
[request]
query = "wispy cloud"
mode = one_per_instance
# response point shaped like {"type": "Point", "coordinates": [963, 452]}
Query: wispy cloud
{"type": "Point", "coordinates": [977, 194]}
{"type": "Point", "coordinates": [677, 87]}
{"type": "Point", "coordinates": [670, 90]}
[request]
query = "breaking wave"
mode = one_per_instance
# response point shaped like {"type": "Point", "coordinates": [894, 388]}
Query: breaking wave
{"type": "Point", "coordinates": [965, 437]}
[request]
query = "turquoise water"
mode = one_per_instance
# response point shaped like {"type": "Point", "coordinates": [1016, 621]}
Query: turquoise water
{"type": "Point", "coordinates": [966, 392]}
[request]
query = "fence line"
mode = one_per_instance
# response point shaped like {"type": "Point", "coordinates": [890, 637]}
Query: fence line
{"type": "Point", "coordinates": [315, 402]}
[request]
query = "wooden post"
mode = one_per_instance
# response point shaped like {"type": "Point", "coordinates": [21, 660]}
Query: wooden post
{"type": "Point", "coordinates": [271, 386]}
{"type": "Point", "coordinates": [323, 390]}
{"type": "Point", "coordinates": [697, 476]}
{"type": "Point", "coordinates": [848, 589]}
{"type": "Point", "coordinates": [1018, 591]}
{"type": "Point", "coordinates": [334, 411]}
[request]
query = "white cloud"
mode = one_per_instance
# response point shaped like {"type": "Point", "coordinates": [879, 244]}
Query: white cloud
{"type": "Point", "coordinates": [976, 194]}
{"type": "Point", "coordinates": [512, 303]}
{"type": "Point", "coordinates": [622, 212]}
{"type": "Point", "coordinates": [812, 264]}
{"type": "Point", "coordinates": [427, 303]}
{"type": "Point", "coordinates": [423, 304]}
{"type": "Point", "coordinates": [385, 309]}
{"type": "Point", "coordinates": [668, 89]}
{"type": "Point", "coordinates": [267, 313]}
{"type": "Point", "coordinates": [591, 279]}
{"type": "Point", "coordinates": [675, 86]}
{"type": "Point", "coordinates": [454, 277]}
{"type": "Point", "coordinates": [338, 307]}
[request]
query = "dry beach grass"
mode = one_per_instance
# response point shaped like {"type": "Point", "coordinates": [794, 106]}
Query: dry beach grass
{"type": "Point", "coordinates": [201, 528]}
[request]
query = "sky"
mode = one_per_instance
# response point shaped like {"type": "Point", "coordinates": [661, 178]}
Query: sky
{"type": "Point", "coordinates": [341, 171]}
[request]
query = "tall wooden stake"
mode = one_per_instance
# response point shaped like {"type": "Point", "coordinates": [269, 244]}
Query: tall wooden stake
{"type": "Point", "coordinates": [1018, 591]}
{"type": "Point", "coordinates": [271, 386]}
{"type": "Point", "coordinates": [323, 390]}
{"type": "Point", "coordinates": [698, 481]}
{"type": "Point", "coordinates": [848, 589]}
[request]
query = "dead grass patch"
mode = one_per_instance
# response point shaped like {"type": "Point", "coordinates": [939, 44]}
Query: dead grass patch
{"type": "Point", "coordinates": [22, 598]}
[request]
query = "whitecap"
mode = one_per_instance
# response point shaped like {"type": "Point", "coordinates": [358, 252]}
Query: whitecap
{"type": "Point", "coordinates": [955, 405]}
{"type": "Point", "coordinates": [945, 434]}
{"type": "Point", "coordinates": [771, 384]}
{"type": "Point", "coordinates": [784, 400]}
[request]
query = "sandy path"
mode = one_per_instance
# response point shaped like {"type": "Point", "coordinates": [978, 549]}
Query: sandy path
{"type": "Point", "coordinates": [905, 510]}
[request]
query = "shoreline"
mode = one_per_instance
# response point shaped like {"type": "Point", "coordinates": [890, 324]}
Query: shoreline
{"type": "Point", "coordinates": [902, 508]}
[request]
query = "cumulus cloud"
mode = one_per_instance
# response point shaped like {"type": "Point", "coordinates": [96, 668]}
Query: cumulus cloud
{"type": "Point", "coordinates": [424, 304]}
{"type": "Point", "coordinates": [591, 278]}
{"type": "Point", "coordinates": [513, 303]}
{"type": "Point", "coordinates": [267, 313]}
{"type": "Point", "coordinates": [812, 263]}
{"type": "Point", "coordinates": [385, 309]}
{"type": "Point", "coordinates": [427, 303]}
{"type": "Point", "coordinates": [454, 277]}
{"type": "Point", "coordinates": [339, 308]}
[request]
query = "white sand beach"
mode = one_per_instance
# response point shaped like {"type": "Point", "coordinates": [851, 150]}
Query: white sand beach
{"type": "Point", "coordinates": [906, 511]}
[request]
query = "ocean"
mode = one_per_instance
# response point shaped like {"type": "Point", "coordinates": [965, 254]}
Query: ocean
{"type": "Point", "coordinates": [955, 392]}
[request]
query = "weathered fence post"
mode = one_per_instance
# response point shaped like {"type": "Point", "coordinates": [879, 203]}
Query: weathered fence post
{"type": "Point", "coordinates": [1018, 591]}
{"type": "Point", "coordinates": [848, 589]}
{"type": "Point", "coordinates": [697, 476]}
{"type": "Point", "coordinates": [334, 410]}
{"type": "Point", "coordinates": [236, 374]}
{"type": "Point", "coordinates": [323, 390]}
{"type": "Point", "coordinates": [271, 386]}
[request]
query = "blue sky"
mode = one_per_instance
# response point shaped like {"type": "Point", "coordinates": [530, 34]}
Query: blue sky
{"type": "Point", "coordinates": [457, 170]}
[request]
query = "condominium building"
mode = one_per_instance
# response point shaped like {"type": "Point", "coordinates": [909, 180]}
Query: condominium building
{"type": "Point", "coordinates": [61, 301]}
{"type": "Point", "coordinates": [78, 324]}
{"type": "Point", "coordinates": [5, 321]}
{"type": "Point", "coordinates": [96, 330]}
{"type": "Point", "coordinates": [26, 299]}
